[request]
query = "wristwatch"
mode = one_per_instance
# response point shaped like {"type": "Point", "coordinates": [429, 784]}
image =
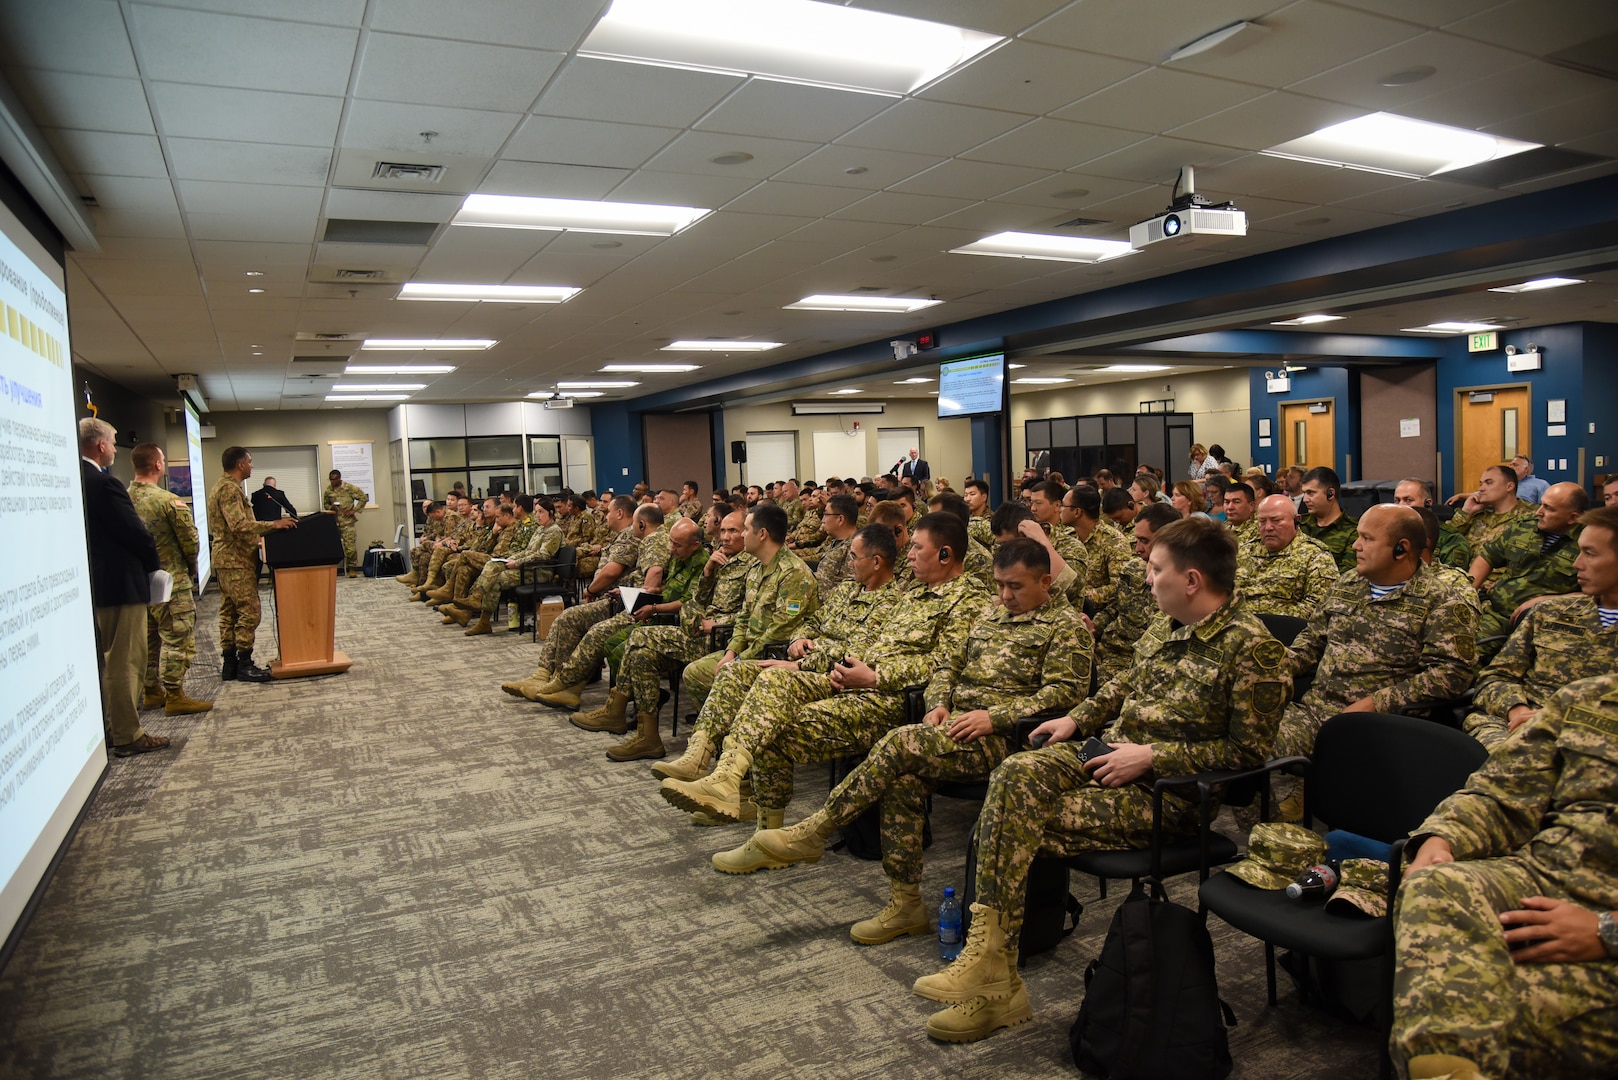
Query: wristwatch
{"type": "Point", "coordinates": [1607, 928]}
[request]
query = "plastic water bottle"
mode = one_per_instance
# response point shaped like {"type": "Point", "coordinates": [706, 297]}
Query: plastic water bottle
{"type": "Point", "coordinates": [1315, 883]}
{"type": "Point", "coordinates": [949, 926]}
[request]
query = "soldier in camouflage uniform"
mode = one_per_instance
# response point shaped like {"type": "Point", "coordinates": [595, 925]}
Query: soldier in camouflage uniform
{"type": "Point", "coordinates": [1105, 549]}
{"type": "Point", "coordinates": [1527, 846]}
{"type": "Point", "coordinates": [1489, 511]}
{"type": "Point", "coordinates": [1284, 572]}
{"type": "Point", "coordinates": [467, 587]}
{"type": "Point", "coordinates": [840, 519]}
{"type": "Point", "coordinates": [794, 717]}
{"type": "Point", "coordinates": [434, 529]}
{"type": "Point", "coordinates": [1206, 692]}
{"type": "Point", "coordinates": [496, 577]}
{"type": "Point", "coordinates": [690, 505]}
{"type": "Point", "coordinates": [461, 569]}
{"type": "Point", "coordinates": [1560, 639]}
{"type": "Point", "coordinates": [806, 537]}
{"type": "Point", "coordinates": [1045, 503]}
{"type": "Point", "coordinates": [235, 535]}
{"type": "Point", "coordinates": [1535, 556]}
{"type": "Point", "coordinates": [976, 494]}
{"type": "Point", "coordinates": [346, 501]}
{"type": "Point", "coordinates": [1120, 627]}
{"type": "Point", "coordinates": [1326, 521]}
{"type": "Point", "coordinates": [787, 498]}
{"type": "Point", "coordinates": [474, 533]}
{"type": "Point", "coordinates": [1241, 510]}
{"type": "Point", "coordinates": [171, 642]}
{"type": "Point", "coordinates": [1387, 635]}
{"type": "Point", "coordinates": [1022, 656]}
{"type": "Point", "coordinates": [1449, 547]}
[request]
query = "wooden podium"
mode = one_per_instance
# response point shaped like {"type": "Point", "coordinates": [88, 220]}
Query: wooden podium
{"type": "Point", "coordinates": [303, 564]}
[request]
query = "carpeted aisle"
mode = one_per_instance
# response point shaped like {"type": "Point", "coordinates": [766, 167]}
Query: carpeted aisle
{"type": "Point", "coordinates": [402, 872]}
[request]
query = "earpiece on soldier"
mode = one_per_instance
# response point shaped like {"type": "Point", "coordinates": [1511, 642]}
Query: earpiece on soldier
{"type": "Point", "coordinates": [943, 554]}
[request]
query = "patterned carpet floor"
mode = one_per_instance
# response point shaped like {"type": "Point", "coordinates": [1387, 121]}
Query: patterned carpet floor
{"type": "Point", "coordinates": [402, 872]}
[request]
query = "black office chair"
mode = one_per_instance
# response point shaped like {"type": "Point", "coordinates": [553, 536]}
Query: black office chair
{"type": "Point", "coordinates": [1284, 628]}
{"type": "Point", "coordinates": [719, 638]}
{"type": "Point", "coordinates": [1373, 774]}
{"type": "Point", "coordinates": [531, 592]}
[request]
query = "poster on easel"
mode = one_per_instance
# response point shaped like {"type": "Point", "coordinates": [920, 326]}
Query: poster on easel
{"type": "Point", "coordinates": [353, 460]}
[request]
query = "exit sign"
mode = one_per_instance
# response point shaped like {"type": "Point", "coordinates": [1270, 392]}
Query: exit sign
{"type": "Point", "coordinates": [1483, 342]}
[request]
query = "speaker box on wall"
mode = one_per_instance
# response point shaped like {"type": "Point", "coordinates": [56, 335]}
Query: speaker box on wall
{"type": "Point", "coordinates": [738, 452]}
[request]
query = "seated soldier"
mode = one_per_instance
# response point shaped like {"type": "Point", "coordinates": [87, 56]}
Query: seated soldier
{"type": "Point", "coordinates": [1535, 558]}
{"type": "Point", "coordinates": [791, 717]}
{"type": "Point", "coordinates": [425, 576]}
{"type": "Point", "coordinates": [499, 575]}
{"type": "Point", "coordinates": [1022, 656]}
{"type": "Point", "coordinates": [431, 531]}
{"type": "Point", "coordinates": [1120, 627]}
{"type": "Point", "coordinates": [1205, 692]}
{"type": "Point", "coordinates": [1283, 572]}
{"type": "Point", "coordinates": [1488, 511]}
{"type": "Point", "coordinates": [458, 588]}
{"type": "Point", "coordinates": [891, 514]}
{"type": "Point", "coordinates": [1390, 633]}
{"type": "Point", "coordinates": [1451, 549]}
{"type": "Point", "coordinates": [655, 651]}
{"type": "Point", "coordinates": [1240, 506]}
{"type": "Point", "coordinates": [806, 537]}
{"type": "Point", "coordinates": [1559, 640]}
{"type": "Point", "coordinates": [1456, 578]}
{"type": "Point", "coordinates": [1107, 552]}
{"type": "Point", "coordinates": [840, 520]}
{"type": "Point", "coordinates": [979, 561]}
{"type": "Point", "coordinates": [1118, 507]}
{"type": "Point", "coordinates": [1505, 935]}
{"type": "Point", "coordinates": [690, 505]}
{"type": "Point", "coordinates": [976, 494]}
{"type": "Point", "coordinates": [1326, 521]}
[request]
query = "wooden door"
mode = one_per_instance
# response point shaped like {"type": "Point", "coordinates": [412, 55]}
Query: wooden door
{"type": "Point", "coordinates": [1491, 428]}
{"type": "Point", "coordinates": [1308, 436]}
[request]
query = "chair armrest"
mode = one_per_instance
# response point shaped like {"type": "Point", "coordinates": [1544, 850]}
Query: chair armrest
{"type": "Point", "coordinates": [915, 704]}
{"type": "Point", "coordinates": [1205, 783]}
{"type": "Point", "coordinates": [1025, 726]}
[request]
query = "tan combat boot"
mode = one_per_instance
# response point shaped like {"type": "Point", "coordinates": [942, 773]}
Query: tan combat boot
{"type": "Point", "coordinates": [152, 698]}
{"type": "Point", "coordinates": [905, 914]}
{"type": "Point", "coordinates": [980, 970]}
{"type": "Point", "coordinates": [718, 793]}
{"type": "Point", "coordinates": [645, 743]}
{"type": "Point", "coordinates": [175, 703]}
{"type": "Point", "coordinates": [804, 842]}
{"type": "Point", "coordinates": [610, 717]}
{"type": "Point", "coordinates": [514, 687]}
{"type": "Point", "coordinates": [690, 765]}
{"type": "Point", "coordinates": [749, 857]}
{"type": "Point", "coordinates": [1442, 1067]}
{"type": "Point", "coordinates": [981, 1017]}
{"type": "Point", "coordinates": [562, 697]}
{"type": "Point", "coordinates": [480, 627]}
{"type": "Point", "coordinates": [441, 595]}
{"type": "Point", "coordinates": [748, 807]}
{"type": "Point", "coordinates": [536, 686]}
{"type": "Point", "coordinates": [455, 613]}
{"type": "Point", "coordinates": [408, 579]}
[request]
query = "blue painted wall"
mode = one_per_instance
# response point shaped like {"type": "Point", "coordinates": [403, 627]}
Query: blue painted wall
{"type": "Point", "coordinates": [1600, 401]}
{"type": "Point", "coordinates": [618, 447]}
{"type": "Point", "coordinates": [1337, 383]}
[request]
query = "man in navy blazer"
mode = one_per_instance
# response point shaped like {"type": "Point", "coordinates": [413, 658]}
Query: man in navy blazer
{"type": "Point", "coordinates": [122, 558]}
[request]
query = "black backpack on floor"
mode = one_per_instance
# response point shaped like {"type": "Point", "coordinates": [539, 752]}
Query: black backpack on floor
{"type": "Point", "coordinates": [1151, 1005]}
{"type": "Point", "coordinates": [1050, 911]}
{"type": "Point", "coordinates": [862, 837]}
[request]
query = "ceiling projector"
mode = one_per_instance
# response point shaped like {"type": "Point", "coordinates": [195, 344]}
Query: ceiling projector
{"type": "Point", "coordinates": [1189, 214]}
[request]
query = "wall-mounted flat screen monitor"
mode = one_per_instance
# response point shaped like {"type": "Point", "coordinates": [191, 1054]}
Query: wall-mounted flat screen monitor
{"type": "Point", "coordinates": [975, 386]}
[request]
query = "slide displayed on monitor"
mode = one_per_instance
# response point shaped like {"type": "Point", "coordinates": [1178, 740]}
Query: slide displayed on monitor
{"type": "Point", "coordinates": [52, 748]}
{"type": "Point", "coordinates": [199, 493]}
{"type": "Point", "coordinates": [971, 387]}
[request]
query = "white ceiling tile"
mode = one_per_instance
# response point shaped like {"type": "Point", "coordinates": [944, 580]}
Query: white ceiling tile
{"type": "Point", "coordinates": [993, 217]}
{"type": "Point", "coordinates": [1005, 17]}
{"type": "Point", "coordinates": [212, 112]}
{"type": "Point", "coordinates": [255, 54]}
{"type": "Point", "coordinates": [1267, 121]}
{"type": "Point", "coordinates": [452, 73]}
{"type": "Point", "coordinates": [386, 125]}
{"type": "Point", "coordinates": [248, 163]}
{"type": "Point", "coordinates": [138, 222]}
{"type": "Point", "coordinates": [226, 257]}
{"type": "Point", "coordinates": [1258, 174]}
{"type": "Point", "coordinates": [1052, 144]}
{"type": "Point", "coordinates": [90, 102]}
{"type": "Point", "coordinates": [1159, 159]}
{"type": "Point", "coordinates": [817, 114]}
{"type": "Point", "coordinates": [250, 225]}
{"type": "Point", "coordinates": [848, 234]}
{"type": "Point", "coordinates": [1404, 198]}
{"type": "Point", "coordinates": [500, 22]}
{"type": "Point", "coordinates": [633, 93]}
{"type": "Point", "coordinates": [85, 36]}
{"type": "Point", "coordinates": [107, 153]}
{"type": "Point", "coordinates": [1069, 193]}
{"type": "Point", "coordinates": [563, 140]}
{"type": "Point", "coordinates": [780, 197]}
{"type": "Point", "coordinates": [481, 256]}
{"type": "Point", "coordinates": [120, 249]}
{"type": "Point", "coordinates": [853, 166]}
{"type": "Point", "coordinates": [1429, 13]}
{"type": "Point", "coordinates": [328, 12]}
{"type": "Point", "coordinates": [1456, 62]}
{"type": "Point", "coordinates": [681, 189]}
{"type": "Point", "coordinates": [368, 256]}
{"type": "Point", "coordinates": [931, 127]}
{"type": "Point", "coordinates": [962, 179]}
{"type": "Point", "coordinates": [891, 206]}
{"type": "Point", "coordinates": [1534, 27]}
{"type": "Point", "coordinates": [390, 205]}
{"type": "Point", "coordinates": [1340, 219]}
{"type": "Point", "coordinates": [1564, 122]}
{"type": "Point", "coordinates": [1027, 77]}
{"type": "Point", "coordinates": [1116, 28]}
{"type": "Point", "coordinates": [1532, 87]}
{"type": "Point", "coordinates": [693, 152]}
{"type": "Point", "coordinates": [1158, 99]}
{"type": "Point", "coordinates": [1305, 37]}
{"type": "Point", "coordinates": [551, 181]}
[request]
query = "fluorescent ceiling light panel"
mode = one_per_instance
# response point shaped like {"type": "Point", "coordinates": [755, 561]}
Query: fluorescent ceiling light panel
{"type": "Point", "coordinates": [910, 382]}
{"type": "Point", "coordinates": [575, 215]}
{"type": "Point", "coordinates": [847, 390]}
{"type": "Point", "coordinates": [1539, 283]}
{"type": "Point", "coordinates": [510, 294]}
{"type": "Point", "coordinates": [542, 395]}
{"type": "Point", "coordinates": [889, 305]}
{"type": "Point", "coordinates": [1021, 245]}
{"type": "Point", "coordinates": [1134, 367]}
{"type": "Point", "coordinates": [427, 344]}
{"type": "Point", "coordinates": [797, 41]}
{"type": "Point", "coordinates": [1309, 320]}
{"type": "Point", "coordinates": [721, 346]}
{"type": "Point", "coordinates": [1452, 328]}
{"type": "Point", "coordinates": [598, 385]}
{"type": "Point", "coordinates": [1399, 146]}
{"type": "Point", "coordinates": [371, 387]}
{"type": "Point", "coordinates": [367, 397]}
{"type": "Point", "coordinates": [398, 369]}
{"type": "Point", "coordinates": [649, 369]}
{"type": "Point", "coordinates": [580, 393]}
{"type": "Point", "coordinates": [1032, 381]}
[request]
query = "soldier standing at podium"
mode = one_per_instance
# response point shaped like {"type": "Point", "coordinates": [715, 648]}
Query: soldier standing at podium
{"type": "Point", "coordinates": [346, 501]}
{"type": "Point", "coordinates": [235, 534]}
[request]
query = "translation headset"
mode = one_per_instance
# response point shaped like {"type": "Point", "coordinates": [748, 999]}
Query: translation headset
{"type": "Point", "coordinates": [943, 554]}
{"type": "Point", "coordinates": [1400, 549]}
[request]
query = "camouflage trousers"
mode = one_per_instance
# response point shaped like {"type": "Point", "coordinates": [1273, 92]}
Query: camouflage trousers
{"type": "Point", "coordinates": [1296, 735]}
{"type": "Point", "coordinates": [1489, 730]}
{"type": "Point", "coordinates": [578, 640]}
{"type": "Point", "coordinates": [345, 529]}
{"type": "Point", "coordinates": [493, 580]}
{"type": "Point", "coordinates": [239, 611]}
{"type": "Point", "coordinates": [429, 570]}
{"type": "Point", "coordinates": [900, 772]}
{"type": "Point", "coordinates": [171, 640]}
{"type": "Point", "coordinates": [794, 717]}
{"type": "Point", "coordinates": [462, 570]}
{"type": "Point", "coordinates": [419, 557]}
{"type": "Point", "coordinates": [698, 679]}
{"type": "Point", "coordinates": [1111, 659]}
{"type": "Point", "coordinates": [1040, 802]}
{"type": "Point", "coordinates": [652, 653]}
{"type": "Point", "coordinates": [1457, 991]}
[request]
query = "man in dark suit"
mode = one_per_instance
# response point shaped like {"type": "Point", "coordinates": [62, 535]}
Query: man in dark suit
{"type": "Point", "coordinates": [268, 503]}
{"type": "Point", "coordinates": [914, 467]}
{"type": "Point", "coordinates": [122, 558]}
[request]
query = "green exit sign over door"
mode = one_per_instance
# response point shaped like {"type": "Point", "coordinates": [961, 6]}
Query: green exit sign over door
{"type": "Point", "coordinates": [1483, 342]}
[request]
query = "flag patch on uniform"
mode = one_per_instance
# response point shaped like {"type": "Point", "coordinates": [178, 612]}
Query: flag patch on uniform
{"type": "Point", "coordinates": [793, 607]}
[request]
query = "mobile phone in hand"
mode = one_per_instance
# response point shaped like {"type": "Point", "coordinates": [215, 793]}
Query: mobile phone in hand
{"type": "Point", "coordinates": [1092, 748]}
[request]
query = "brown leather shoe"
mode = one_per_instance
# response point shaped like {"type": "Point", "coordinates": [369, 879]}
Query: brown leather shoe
{"type": "Point", "coordinates": [143, 745]}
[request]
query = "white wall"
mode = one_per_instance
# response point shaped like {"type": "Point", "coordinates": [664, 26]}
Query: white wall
{"type": "Point", "coordinates": [1219, 399]}
{"type": "Point", "coordinates": [946, 444]}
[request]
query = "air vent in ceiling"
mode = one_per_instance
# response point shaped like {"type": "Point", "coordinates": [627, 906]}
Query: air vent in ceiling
{"type": "Point", "coordinates": [407, 172]}
{"type": "Point", "coordinates": [867, 289]}
{"type": "Point", "coordinates": [328, 360]}
{"type": "Point", "coordinates": [358, 231]}
{"type": "Point", "coordinates": [362, 275]}
{"type": "Point", "coordinates": [1080, 223]}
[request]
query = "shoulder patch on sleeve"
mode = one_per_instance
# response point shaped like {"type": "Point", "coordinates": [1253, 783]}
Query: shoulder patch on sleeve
{"type": "Point", "coordinates": [793, 607]}
{"type": "Point", "coordinates": [1269, 654]}
{"type": "Point", "coordinates": [1466, 647]}
{"type": "Point", "coordinates": [1269, 697]}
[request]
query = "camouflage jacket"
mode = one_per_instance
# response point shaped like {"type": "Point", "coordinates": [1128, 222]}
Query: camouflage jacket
{"type": "Point", "coordinates": [578, 530]}
{"type": "Point", "coordinates": [623, 549]}
{"type": "Point", "coordinates": [1291, 581]}
{"type": "Point", "coordinates": [543, 543]}
{"type": "Point", "coordinates": [718, 596]}
{"type": "Point", "coordinates": [1120, 626]}
{"type": "Point", "coordinates": [977, 527]}
{"type": "Point", "coordinates": [810, 532]}
{"type": "Point", "coordinates": [1076, 555]}
{"type": "Point", "coordinates": [1016, 665]}
{"type": "Point", "coordinates": [654, 551]}
{"type": "Point", "coordinates": [931, 621]}
{"type": "Point", "coordinates": [834, 568]}
{"type": "Point", "coordinates": [1480, 528]}
{"type": "Point", "coordinates": [848, 620]}
{"type": "Point", "coordinates": [517, 537]}
{"type": "Point", "coordinates": [433, 528]}
{"type": "Point", "coordinates": [172, 528]}
{"type": "Point", "coordinates": [794, 512]}
{"type": "Point", "coordinates": [479, 538]}
{"type": "Point", "coordinates": [1416, 643]}
{"type": "Point", "coordinates": [691, 508]}
{"type": "Point", "coordinates": [1108, 553]}
{"type": "Point", "coordinates": [780, 595]}
{"type": "Point", "coordinates": [1337, 538]}
{"type": "Point", "coordinates": [1205, 696]}
{"type": "Point", "coordinates": [234, 530]}
{"type": "Point", "coordinates": [979, 564]}
{"type": "Point", "coordinates": [1453, 550]}
{"type": "Point", "coordinates": [347, 499]}
{"type": "Point", "coordinates": [1550, 800]}
{"type": "Point", "coordinates": [1246, 532]}
{"type": "Point", "coordinates": [1526, 569]}
{"type": "Point", "coordinates": [1559, 641]}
